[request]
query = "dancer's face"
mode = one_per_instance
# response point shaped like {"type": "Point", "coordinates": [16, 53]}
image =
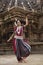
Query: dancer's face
{"type": "Point", "coordinates": [18, 23]}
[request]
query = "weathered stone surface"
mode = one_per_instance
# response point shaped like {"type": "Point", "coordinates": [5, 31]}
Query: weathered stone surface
{"type": "Point", "coordinates": [36, 59]}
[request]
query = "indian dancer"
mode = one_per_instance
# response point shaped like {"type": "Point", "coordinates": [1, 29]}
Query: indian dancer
{"type": "Point", "coordinates": [21, 48]}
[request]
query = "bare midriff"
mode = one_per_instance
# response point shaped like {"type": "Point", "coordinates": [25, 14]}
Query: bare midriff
{"type": "Point", "coordinates": [18, 37]}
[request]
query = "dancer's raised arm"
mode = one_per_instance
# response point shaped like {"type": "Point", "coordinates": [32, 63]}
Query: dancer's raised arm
{"type": "Point", "coordinates": [26, 21]}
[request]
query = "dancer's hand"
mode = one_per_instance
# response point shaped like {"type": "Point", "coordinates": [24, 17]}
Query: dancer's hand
{"type": "Point", "coordinates": [26, 21]}
{"type": "Point", "coordinates": [10, 37]}
{"type": "Point", "coordinates": [8, 40]}
{"type": "Point", "coordinates": [15, 19]}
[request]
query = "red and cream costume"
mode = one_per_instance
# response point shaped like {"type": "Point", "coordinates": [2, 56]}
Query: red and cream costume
{"type": "Point", "coordinates": [21, 48]}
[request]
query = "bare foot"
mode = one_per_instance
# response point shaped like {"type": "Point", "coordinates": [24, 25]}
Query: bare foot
{"type": "Point", "coordinates": [20, 61]}
{"type": "Point", "coordinates": [23, 59]}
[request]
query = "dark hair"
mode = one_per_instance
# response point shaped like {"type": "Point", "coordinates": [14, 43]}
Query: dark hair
{"type": "Point", "coordinates": [18, 20]}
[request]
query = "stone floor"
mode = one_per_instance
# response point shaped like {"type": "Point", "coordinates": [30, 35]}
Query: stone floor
{"type": "Point", "coordinates": [34, 59]}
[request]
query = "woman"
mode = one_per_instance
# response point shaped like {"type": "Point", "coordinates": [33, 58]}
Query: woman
{"type": "Point", "coordinates": [21, 48]}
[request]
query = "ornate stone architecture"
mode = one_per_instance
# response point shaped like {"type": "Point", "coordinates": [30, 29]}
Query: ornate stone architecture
{"type": "Point", "coordinates": [11, 9]}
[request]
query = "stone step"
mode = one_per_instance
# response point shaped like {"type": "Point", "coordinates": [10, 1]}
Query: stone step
{"type": "Point", "coordinates": [36, 47]}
